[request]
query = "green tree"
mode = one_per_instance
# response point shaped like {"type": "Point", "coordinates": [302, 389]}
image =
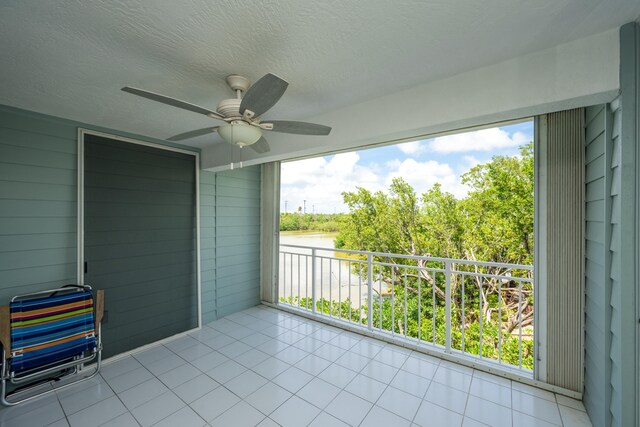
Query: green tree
{"type": "Point", "coordinates": [498, 226]}
{"type": "Point", "coordinates": [499, 208]}
{"type": "Point", "coordinates": [494, 222]}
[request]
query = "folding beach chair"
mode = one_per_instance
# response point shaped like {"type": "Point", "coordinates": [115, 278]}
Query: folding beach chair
{"type": "Point", "coordinates": [47, 337]}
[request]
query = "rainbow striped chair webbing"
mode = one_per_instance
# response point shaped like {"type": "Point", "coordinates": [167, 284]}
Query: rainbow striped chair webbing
{"type": "Point", "coordinates": [51, 329]}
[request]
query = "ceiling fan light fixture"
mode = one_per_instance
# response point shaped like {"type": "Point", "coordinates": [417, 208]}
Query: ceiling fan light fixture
{"type": "Point", "coordinates": [240, 134]}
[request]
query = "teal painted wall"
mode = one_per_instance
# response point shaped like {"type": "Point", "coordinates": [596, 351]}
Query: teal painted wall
{"type": "Point", "coordinates": [237, 239]}
{"type": "Point", "coordinates": [613, 248]}
{"type": "Point", "coordinates": [597, 366]}
{"type": "Point", "coordinates": [230, 241]}
{"type": "Point", "coordinates": [613, 193]}
{"type": "Point", "coordinates": [625, 239]}
{"type": "Point", "coordinates": [37, 203]}
{"type": "Point", "coordinates": [38, 178]}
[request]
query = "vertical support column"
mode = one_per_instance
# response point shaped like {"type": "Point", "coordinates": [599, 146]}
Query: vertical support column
{"type": "Point", "coordinates": [447, 296]}
{"type": "Point", "coordinates": [270, 232]}
{"type": "Point", "coordinates": [540, 248]}
{"type": "Point", "coordinates": [313, 280]}
{"type": "Point", "coordinates": [625, 321]}
{"type": "Point", "coordinates": [80, 230]}
{"type": "Point", "coordinates": [370, 291]}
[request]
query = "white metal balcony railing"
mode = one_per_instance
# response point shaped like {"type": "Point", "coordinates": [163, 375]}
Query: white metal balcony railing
{"type": "Point", "coordinates": [482, 311]}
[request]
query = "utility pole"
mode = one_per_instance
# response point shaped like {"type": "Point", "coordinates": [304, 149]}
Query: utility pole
{"type": "Point", "coordinates": [286, 202]}
{"type": "Point", "coordinates": [304, 204]}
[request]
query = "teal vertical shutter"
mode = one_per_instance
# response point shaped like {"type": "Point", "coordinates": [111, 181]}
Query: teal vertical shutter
{"type": "Point", "coordinates": [140, 232]}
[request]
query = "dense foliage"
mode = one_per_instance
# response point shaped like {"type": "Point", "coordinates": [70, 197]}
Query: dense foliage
{"type": "Point", "coordinates": [493, 223]}
{"type": "Point", "coordinates": [491, 309]}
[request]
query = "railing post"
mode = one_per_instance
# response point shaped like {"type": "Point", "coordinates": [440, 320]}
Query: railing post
{"type": "Point", "coordinates": [370, 291]}
{"type": "Point", "coordinates": [313, 280]}
{"type": "Point", "coordinates": [447, 290]}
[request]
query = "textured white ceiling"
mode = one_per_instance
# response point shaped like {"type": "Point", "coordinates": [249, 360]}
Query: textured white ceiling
{"type": "Point", "coordinates": [69, 58]}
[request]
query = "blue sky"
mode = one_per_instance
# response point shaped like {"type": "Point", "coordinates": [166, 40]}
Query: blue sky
{"type": "Point", "coordinates": [321, 180]}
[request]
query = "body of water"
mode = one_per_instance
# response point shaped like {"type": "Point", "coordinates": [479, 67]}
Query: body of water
{"type": "Point", "coordinates": [335, 279]}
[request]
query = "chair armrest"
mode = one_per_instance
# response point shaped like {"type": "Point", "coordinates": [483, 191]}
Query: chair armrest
{"type": "Point", "coordinates": [5, 329]}
{"type": "Point", "coordinates": [99, 306]}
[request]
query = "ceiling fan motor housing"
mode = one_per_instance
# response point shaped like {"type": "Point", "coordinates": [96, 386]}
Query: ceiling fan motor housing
{"type": "Point", "coordinates": [229, 107]}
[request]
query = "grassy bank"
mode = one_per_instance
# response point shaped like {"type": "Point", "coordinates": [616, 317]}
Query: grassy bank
{"type": "Point", "coordinates": [329, 223]}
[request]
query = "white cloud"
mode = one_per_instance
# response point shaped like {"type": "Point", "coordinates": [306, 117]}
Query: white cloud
{"type": "Point", "coordinates": [302, 171]}
{"type": "Point", "coordinates": [393, 164]}
{"type": "Point", "coordinates": [413, 148]}
{"type": "Point", "coordinates": [423, 175]}
{"type": "Point", "coordinates": [480, 140]}
{"type": "Point", "coordinates": [320, 181]}
{"type": "Point", "coordinates": [469, 162]}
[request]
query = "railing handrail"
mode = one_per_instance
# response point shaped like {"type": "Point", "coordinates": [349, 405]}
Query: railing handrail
{"type": "Point", "coordinates": [450, 275]}
{"type": "Point", "coordinates": [417, 257]}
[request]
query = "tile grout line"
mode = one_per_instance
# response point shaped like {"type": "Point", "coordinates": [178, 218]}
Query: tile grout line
{"type": "Point", "coordinates": [313, 376]}
{"type": "Point", "coordinates": [285, 322]}
{"type": "Point", "coordinates": [387, 385]}
{"type": "Point", "coordinates": [468, 393]}
{"type": "Point", "coordinates": [317, 376]}
{"type": "Point", "coordinates": [156, 377]}
{"type": "Point", "coordinates": [247, 369]}
{"type": "Point", "coordinates": [334, 362]}
{"type": "Point", "coordinates": [290, 366]}
{"type": "Point", "coordinates": [170, 390]}
{"type": "Point", "coordinates": [358, 372]}
{"type": "Point", "coordinates": [118, 396]}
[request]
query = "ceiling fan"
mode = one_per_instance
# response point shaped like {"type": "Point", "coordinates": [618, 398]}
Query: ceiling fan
{"type": "Point", "coordinates": [243, 114]}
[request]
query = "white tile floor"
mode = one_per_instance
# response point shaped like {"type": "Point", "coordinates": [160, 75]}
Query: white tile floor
{"type": "Point", "coordinates": [265, 367]}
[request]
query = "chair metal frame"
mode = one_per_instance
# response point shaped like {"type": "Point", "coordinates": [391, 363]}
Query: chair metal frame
{"type": "Point", "coordinates": [76, 365]}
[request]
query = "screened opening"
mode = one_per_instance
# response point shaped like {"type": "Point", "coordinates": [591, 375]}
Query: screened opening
{"type": "Point", "coordinates": [431, 241]}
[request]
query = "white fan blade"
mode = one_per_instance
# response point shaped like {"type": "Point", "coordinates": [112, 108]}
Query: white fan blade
{"type": "Point", "coordinates": [261, 146]}
{"type": "Point", "coordinates": [193, 134]}
{"type": "Point", "coordinates": [299, 128]}
{"type": "Point", "coordinates": [263, 94]}
{"type": "Point", "coordinates": [172, 101]}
